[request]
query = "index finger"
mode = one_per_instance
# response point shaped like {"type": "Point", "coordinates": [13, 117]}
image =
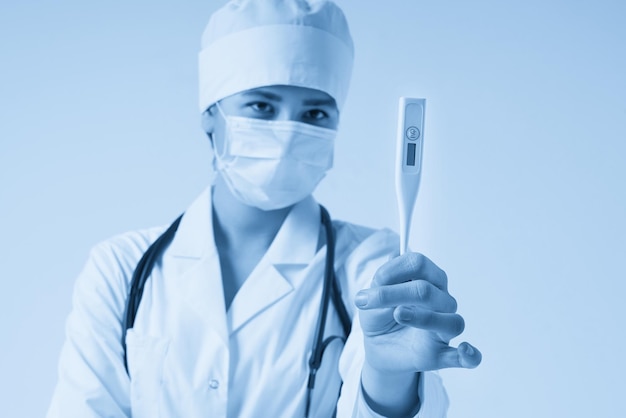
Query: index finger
{"type": "Point", "coordinates": [410, 266]}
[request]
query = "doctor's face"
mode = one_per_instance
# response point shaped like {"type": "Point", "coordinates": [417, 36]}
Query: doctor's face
{"type": "Point", "coordinates": [297, 104]}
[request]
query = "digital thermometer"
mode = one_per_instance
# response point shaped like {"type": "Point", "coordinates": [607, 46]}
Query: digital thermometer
{"type": "Point", "coordinates": [409, 161]}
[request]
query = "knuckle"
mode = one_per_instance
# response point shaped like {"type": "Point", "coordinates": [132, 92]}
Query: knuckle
{"type": "Point", "coordinates": [380, 296]}
{"type": "Point", "coordinates": [459, 325]}
{"type": "Point", "coordinates": [444, 277]}
{"type": "Point", "coordinates": [421, 290]}
{"type": "Point", "coordinates": [415, 261]}
{"type": "Point", "coordinates": [454, 304]}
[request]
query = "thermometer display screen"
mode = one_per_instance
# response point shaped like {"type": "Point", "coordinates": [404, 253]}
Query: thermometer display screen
{"type": "Point", "coordinates": [410, 155]}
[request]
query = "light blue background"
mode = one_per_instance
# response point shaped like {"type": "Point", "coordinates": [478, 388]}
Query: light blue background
{"type": "Point", "coordinates": [523, 200]}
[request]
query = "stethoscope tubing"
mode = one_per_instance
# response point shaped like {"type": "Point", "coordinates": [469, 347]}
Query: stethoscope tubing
{"type": "Point", "coordinates": [330, 291]}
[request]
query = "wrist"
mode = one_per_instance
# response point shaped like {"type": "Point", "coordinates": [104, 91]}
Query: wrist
{"type": "Point", "coordinates": [390, 394]}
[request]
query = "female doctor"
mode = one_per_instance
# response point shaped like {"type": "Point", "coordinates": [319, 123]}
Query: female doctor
{"type": "Point", "coordinates": [229, 315]}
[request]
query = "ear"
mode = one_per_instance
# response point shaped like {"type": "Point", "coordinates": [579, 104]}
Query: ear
{"type": "Point", "coordinates": [208, 120]}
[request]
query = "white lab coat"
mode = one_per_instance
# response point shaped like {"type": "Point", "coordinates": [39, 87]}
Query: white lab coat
{"type": "Point", "coordinates": [189, 357]}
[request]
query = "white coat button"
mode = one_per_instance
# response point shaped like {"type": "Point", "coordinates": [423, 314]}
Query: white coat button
{"type": "Point", "coordinates": [214, 384]}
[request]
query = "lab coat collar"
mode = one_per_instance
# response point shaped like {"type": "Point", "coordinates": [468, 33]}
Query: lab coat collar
{"type": "Point", "coordinates": [196, 270]}
{"type": "Point", "coordinates": [194, 237]}
{"type": "Point", "coordinates": [279, 271]}
{"type": "Point", "coordinates": [276, 275]}
{"type": "Point", "coordinates": [296, 240]}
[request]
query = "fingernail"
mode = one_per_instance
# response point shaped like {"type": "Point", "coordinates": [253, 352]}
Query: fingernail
{"type": "Point", "coordinates": [405, 313]}
{"type": "Point", "coordinates": [469, 350]}
{"type": "Point", "coordinates": [361, 299]}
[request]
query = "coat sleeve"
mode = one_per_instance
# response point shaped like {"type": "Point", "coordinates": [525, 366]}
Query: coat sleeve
{"type": "Point", "coordinates": [92, 380]}
{"type": "Point", "coordinates": [356, 274]}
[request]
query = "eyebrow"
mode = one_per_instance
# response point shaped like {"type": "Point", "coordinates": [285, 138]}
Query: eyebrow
{"type": "Point", "coordinates": [277, 98]}
{"type": "Point", "coordinates": [267, 95]}
{"type": "Point", "coordinates": [320, 102]}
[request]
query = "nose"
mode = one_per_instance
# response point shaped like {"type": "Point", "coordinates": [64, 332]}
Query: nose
{"type": "Point", "coordinates": [286, 113]}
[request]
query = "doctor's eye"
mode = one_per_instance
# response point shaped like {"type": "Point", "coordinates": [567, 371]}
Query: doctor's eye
{"type": "Point", "coordinates": [315, 114]}
{"type": "Point", "coordinates": [261, 107]}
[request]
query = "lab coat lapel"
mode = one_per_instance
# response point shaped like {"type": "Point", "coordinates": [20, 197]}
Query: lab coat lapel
{"type": "Point", "coordinates": [198, 268]}
{"type": "Point", "coordinates": [279, 271]}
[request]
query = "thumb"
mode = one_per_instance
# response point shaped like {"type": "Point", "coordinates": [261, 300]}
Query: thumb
{"type": "Point", "coordinates": [466, 356]}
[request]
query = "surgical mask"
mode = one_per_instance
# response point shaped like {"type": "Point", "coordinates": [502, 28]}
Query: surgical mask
{"type": "Point", "coordinates": [273, 164]}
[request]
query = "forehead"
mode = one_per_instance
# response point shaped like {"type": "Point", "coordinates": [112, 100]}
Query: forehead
{"type": "Point", "coordinates": [281, 93]}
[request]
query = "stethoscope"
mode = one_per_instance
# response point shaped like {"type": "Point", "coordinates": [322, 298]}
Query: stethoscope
{"type": "Point", "coordinates": [330, 292]}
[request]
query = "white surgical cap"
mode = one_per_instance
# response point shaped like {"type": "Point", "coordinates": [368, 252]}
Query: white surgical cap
{"type": "Point", "coordinates": [255, 43]}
